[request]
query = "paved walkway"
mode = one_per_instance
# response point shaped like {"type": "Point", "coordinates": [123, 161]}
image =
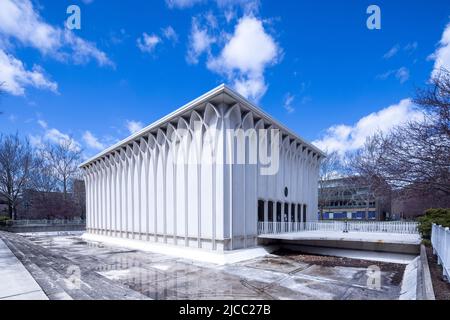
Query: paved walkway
{"type": "Point", "coordinates": [16, 282]}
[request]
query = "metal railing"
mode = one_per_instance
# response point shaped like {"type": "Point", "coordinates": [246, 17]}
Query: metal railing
{"type": "Point", "coordinates": [47, 222]}
{"type": "Point", "coordinates": [440, 240]}
{"type": "Point", "coordinates": [399, 227]}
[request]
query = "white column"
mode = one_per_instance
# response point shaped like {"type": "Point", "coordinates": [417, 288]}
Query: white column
{"type": "Point", "coordinates": [295, 213]}
{"type": "Point", "coordinates": [289, 212]}
{"type": "Point", "coordinates": [97, 198]}
{"type": "Point", "coordinates": [88, 198]}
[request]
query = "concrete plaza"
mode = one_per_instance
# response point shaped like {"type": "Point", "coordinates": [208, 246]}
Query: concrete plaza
{"type": "Point", "coordinates": [67, 267]}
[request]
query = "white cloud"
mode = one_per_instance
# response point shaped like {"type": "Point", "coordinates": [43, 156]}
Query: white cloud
{"type": "Point", "coordinates": [211, 19]}
{"type": "Point", "coordinates": [134, 126]}
{"type": "Point", "coordinates": [385, 75]}
{"type": "Point", "coordinates": [200, 42]}
{"type": "Point", "coordinates": [411, 47]}
{"type": "Point", "coordinates": [347, 138]}
{"type": "Point", "coordinates": [147, 43]}
{"type": "Point", "coordinates": [401, 74]}
{"type": "Point", "coordinates": [56, 136]}
{"type": "Point", "coordinates": [170, 34]}
{"type": "Point", "coordinates": [392, 52]}
{"type": "Point", "coordinates": [408, 48]}
{"type": "Point", "coordinates": [21, 21]}
{"type": "Point", "coordinates": [16, 77]}
{"type": "Point", "coordinates": [229, 15]}
{"type": "Point", "coordinates": [288, 100]}
{"type": "Point", "coordinates": [118, 37]}
{"type": "Point", "coordinates": [441, 56]}
{"type": "Point", "coordinates": [52, 135]}
{"type": "Point", "coordinates": [182, 4]}
{"type": "Point", "coordinates": [248, 6]}
{"type": "Point", "coordinates": [244, 67]}
{"type": "Point", "coordinates": [92, 141]}
{"type": "Point", "coordinates": [36, 141]}
{"type": "Point", "coordinates": [43, 124]}
{"type": "Point", "coordinates": [83, 51]}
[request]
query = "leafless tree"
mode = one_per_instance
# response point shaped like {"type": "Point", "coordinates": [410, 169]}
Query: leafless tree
{"type": "Point", "coordinates": [63, 158]}
{"type": "Point", "coordinates": [330, 168]}
{"type": "Point", "coordinates": [415, 155]}
{"type": "Point", "coordinates": [435, 101]}
{"type": "Point", "coordinates": [16, 164]}
{"type": "Point", "coordinates": [364, 172]}
{"type": "Point", "coordinates": [43, 179]}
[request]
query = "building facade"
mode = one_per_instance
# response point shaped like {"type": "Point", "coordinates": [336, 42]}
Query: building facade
{"type": "Point", "coordinates": [351, 199]}
{"type": "Point", "coordinates": [203, 177]}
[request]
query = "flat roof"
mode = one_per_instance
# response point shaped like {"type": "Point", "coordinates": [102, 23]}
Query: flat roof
{"type": "Point", "coordinates": [222, 89]}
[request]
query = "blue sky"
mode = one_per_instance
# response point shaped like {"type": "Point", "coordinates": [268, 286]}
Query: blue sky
{"type": "Point", "coordinates": [313, 65]}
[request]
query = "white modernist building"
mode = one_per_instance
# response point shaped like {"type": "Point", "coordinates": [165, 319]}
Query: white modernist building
{"type": "Point", "coordinates": [204, 176]}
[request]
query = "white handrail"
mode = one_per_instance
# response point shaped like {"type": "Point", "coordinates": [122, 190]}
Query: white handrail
{"type": "Point", "coordinates": [47, 222]}
{"type": "Point", "coordinates": [440, 240]}
{"type": "Point", "coordinates": [400, 227]}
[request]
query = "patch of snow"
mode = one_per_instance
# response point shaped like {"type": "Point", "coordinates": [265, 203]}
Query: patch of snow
{"type": "Point", "coordinates": [115, 274]}
{"type": "Point", "coordinates": [409, 283]}
{"type": "Point", "coordinates": [215, 257]}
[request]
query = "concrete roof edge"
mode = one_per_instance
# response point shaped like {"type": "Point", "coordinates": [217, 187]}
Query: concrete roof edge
{"type": "Point", "coordinates": [192, 104]}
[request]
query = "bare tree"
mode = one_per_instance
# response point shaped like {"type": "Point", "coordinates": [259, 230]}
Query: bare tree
{"type": "Point", "coordinates": [363, 168]}
{"type": "Point", "coordinates": [63, 158]}
{"type": "Point", "coordinates": [415, 155]}
{"type": "Point", "coordinates": [16, 164]}
{"type": "Point", "coordinates": [330, 168]}
{"type": "Point", "coordinates": [42, 178]}
{"type": "Point", "coordinates": [435, 101]}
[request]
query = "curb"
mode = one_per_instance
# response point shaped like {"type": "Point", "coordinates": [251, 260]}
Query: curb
{"type": "Point", "coordinates": [424, 284]}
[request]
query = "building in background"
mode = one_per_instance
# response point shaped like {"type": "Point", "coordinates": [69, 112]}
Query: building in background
{"type": "Point", "coordinates": [37, 205]}
{"type": "Point", "coordinates": [3, 206]}
{"type": "Point", "coordinates": [410, 204]}
{"type": "Point", "coordinates": [180, 181]}
{"type": "Point", "coordinates": [352, 199]}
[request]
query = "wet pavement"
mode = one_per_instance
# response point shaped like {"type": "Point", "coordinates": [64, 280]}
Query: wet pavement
{"type": "Point", "coordinates": [67, 266]}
